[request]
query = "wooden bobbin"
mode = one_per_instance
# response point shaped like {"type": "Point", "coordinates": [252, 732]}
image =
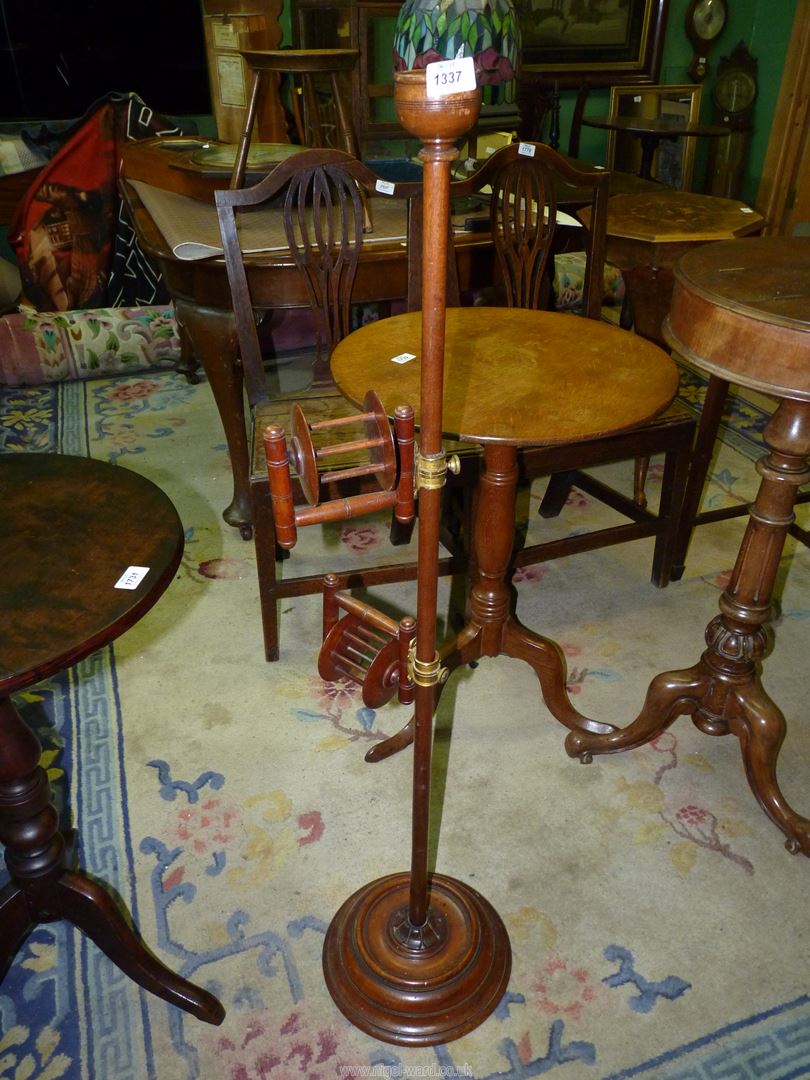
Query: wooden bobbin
{"type": "Point", "coordinates": [390, 461]}
{"type": "Point", "coordinates": [366, 646]}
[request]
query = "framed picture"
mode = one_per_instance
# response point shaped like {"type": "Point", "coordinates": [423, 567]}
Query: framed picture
{"type": "Point", "coordinates": [600, 42]}
{"type": "Point", "coordinates": [674, 158]}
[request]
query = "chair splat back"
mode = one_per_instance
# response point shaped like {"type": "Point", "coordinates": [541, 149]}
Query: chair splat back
{"type": "Point", "coordinates": [323, 223]}
{"type": "Point", "coordinates": [318, 196]}
{"type": "Point", "coordinates": [523, 220]}
{"type": "Point", "coordinates": [528, 181]}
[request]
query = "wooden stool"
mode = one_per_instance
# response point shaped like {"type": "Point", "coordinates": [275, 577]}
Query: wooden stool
{"type": "Point", "coordinates": [303, 64]}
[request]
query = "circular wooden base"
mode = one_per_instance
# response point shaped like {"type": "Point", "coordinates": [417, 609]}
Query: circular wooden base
{"type": "Point", "coordinates": [416, 987]}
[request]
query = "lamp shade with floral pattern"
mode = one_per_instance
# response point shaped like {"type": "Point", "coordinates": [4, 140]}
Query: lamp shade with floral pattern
{"type": "Point", "coordinates": [486, 30]}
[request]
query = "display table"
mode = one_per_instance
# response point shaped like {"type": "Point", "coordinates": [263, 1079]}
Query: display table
{"type": "Point", "coordinates": [75, 535]}
{"type": "Point", "coordinates": [741, 311]}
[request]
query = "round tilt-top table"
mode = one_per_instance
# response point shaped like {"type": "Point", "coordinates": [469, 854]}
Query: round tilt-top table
{"type": "Point", "coordinates": [741, 310]}
{"type": "Point", "coordinates": [512, 378]}
{"type": "Point", "coordinates": [86, 549]}
{"type": "Point", "coordinates": [651, 130]}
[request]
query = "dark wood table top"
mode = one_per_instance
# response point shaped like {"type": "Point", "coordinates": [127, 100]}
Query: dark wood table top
{"type": "Point", "coordinates": [515, 376]}
{"type": "Point", "coordinates": [665, 127]}
{"type": "Point", "coordinates": [70, 529]}
{"type": "Point", "coordinates": [741, 310]}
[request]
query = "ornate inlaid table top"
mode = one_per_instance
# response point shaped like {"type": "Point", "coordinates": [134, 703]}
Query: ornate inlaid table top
{"type": "Point", "coordinates": [667, 216]}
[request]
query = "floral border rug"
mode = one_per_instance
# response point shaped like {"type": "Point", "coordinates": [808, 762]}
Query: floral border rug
{"type": "Point", "coordinates": [658, 926]}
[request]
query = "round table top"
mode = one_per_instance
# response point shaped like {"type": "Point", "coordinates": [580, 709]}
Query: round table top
{"type": "Point", "coordinates": [515, 376]}
{"type": "Point", "coordinates": [741, 310]}
{"type": "Point", "coordinates": [663, 126]}
{"type": "Point", "coordinates": [71, 529]}
{"type": "Point", "coordinates": [667, 216]}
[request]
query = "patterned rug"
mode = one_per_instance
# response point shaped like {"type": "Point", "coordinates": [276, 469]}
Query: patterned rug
{"type": "Point", "coordinates": [658, 926]}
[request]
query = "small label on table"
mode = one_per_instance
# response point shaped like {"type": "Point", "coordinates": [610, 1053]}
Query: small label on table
{"type": "Point", "coordinates": [526, 149]}
{"type": "Point", "coordinates": [450, 76]}
{"type": "Point", "coordinates": [385, 187]}
{"type": "Point", "coordinates": [403, 358]}
{"type": "Point", "coordinates": [637, 99]}
{"type": "Point", "coordinates": [746, 210]}
{"type": "Point", "coordinates": [132, 577]}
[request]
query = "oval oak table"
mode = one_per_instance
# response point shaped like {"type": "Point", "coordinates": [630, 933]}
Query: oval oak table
{"type": "Point", "coordinates": [512, 378]}
{"type": "Point", "coordinates": [75, 538]}
{"type": "Point", "coordinates": [741, 311]}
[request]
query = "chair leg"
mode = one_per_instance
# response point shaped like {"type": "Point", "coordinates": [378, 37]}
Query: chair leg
{"type": "Point", "coordinates": [670, 507]}
{"type": "Point", "coordinates": [264, 539]}
{"type": "Point", "coordinates": [640, 469]}
{"type": "Point", "coordinates": [711, 415]}
{"type": "Point", "coordinates": [558, 490]}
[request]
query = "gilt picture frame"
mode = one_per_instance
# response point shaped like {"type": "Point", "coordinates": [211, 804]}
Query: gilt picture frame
{"type": "Point", "coordinates": [674, 159]}
{"type": "Point", "coordinates": [599, 42]}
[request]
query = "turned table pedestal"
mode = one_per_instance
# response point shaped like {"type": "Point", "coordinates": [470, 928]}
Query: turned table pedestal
{"type": "Point", "coordinates": [741, 310]}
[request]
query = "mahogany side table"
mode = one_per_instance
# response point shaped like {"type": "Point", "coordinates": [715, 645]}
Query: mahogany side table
{"type": "Point", "coordinates": [75, 538]}
{"type": "Point", "coordinates": [741, 311]}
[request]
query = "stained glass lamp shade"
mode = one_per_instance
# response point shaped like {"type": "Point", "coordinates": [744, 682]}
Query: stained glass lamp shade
{"type": "Point", "coordinates": [486, 30]}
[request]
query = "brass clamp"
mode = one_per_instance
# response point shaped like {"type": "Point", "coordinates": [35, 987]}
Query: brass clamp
{"type": "Point", "coordinates": [425, 673]}
{"type": "Point", "coordinates": [431, 469]}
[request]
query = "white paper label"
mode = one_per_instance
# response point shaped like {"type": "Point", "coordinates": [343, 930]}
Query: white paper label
{"type": "Point", "coordinates": [385, 187]}
{"type": "Point", "coordinates": [637, 99]}
{"type": "Point", "coordinates": [132, 577]}
{"type": "Point", "coordinates": [526, 149]}
{"type": "Point", "coordinates": [450, 77]}
{"type": "Point", "coordinates": [403, 358]}
{"type": "Point", "coordinates": [746, 210]}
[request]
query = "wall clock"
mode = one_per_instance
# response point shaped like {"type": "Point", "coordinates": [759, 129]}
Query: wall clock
{"type": "Point", "coordinates": [733, 96]}
{"type": "Point", "coordinates": [705, 21]}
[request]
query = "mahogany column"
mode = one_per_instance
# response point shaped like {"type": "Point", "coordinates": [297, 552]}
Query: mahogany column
{"type": "Point", "coordinates": [414, 958]}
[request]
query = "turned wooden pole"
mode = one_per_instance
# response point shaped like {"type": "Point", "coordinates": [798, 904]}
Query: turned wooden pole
{"type": "Point", "coordinates": [438, 123]}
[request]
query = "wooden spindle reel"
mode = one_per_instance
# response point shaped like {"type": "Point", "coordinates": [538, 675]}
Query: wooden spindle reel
{"type": "Point", "coordinates": [390, 461]}
{"type": "Point", "coordinates": [366, 646]}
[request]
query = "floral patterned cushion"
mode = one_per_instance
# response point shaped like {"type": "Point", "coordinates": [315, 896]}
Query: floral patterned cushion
{"type": "Point", "coordinates": [43, 347]}
{"type": "Point", "coordinates": [569, 274]}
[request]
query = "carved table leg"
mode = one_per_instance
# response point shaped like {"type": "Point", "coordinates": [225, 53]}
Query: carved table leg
{"type": "Point", "coordinates": [723, 692]}
{"type": "Point", "coordinates": [213, 336]}
{"type": "Point", "coordinates": [42, 888]}
{"type": "Point", "coordinates": [491, 600]}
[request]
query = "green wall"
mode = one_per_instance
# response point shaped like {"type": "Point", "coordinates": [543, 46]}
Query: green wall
{"type": "Point", "coordinates": [764, 25]}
